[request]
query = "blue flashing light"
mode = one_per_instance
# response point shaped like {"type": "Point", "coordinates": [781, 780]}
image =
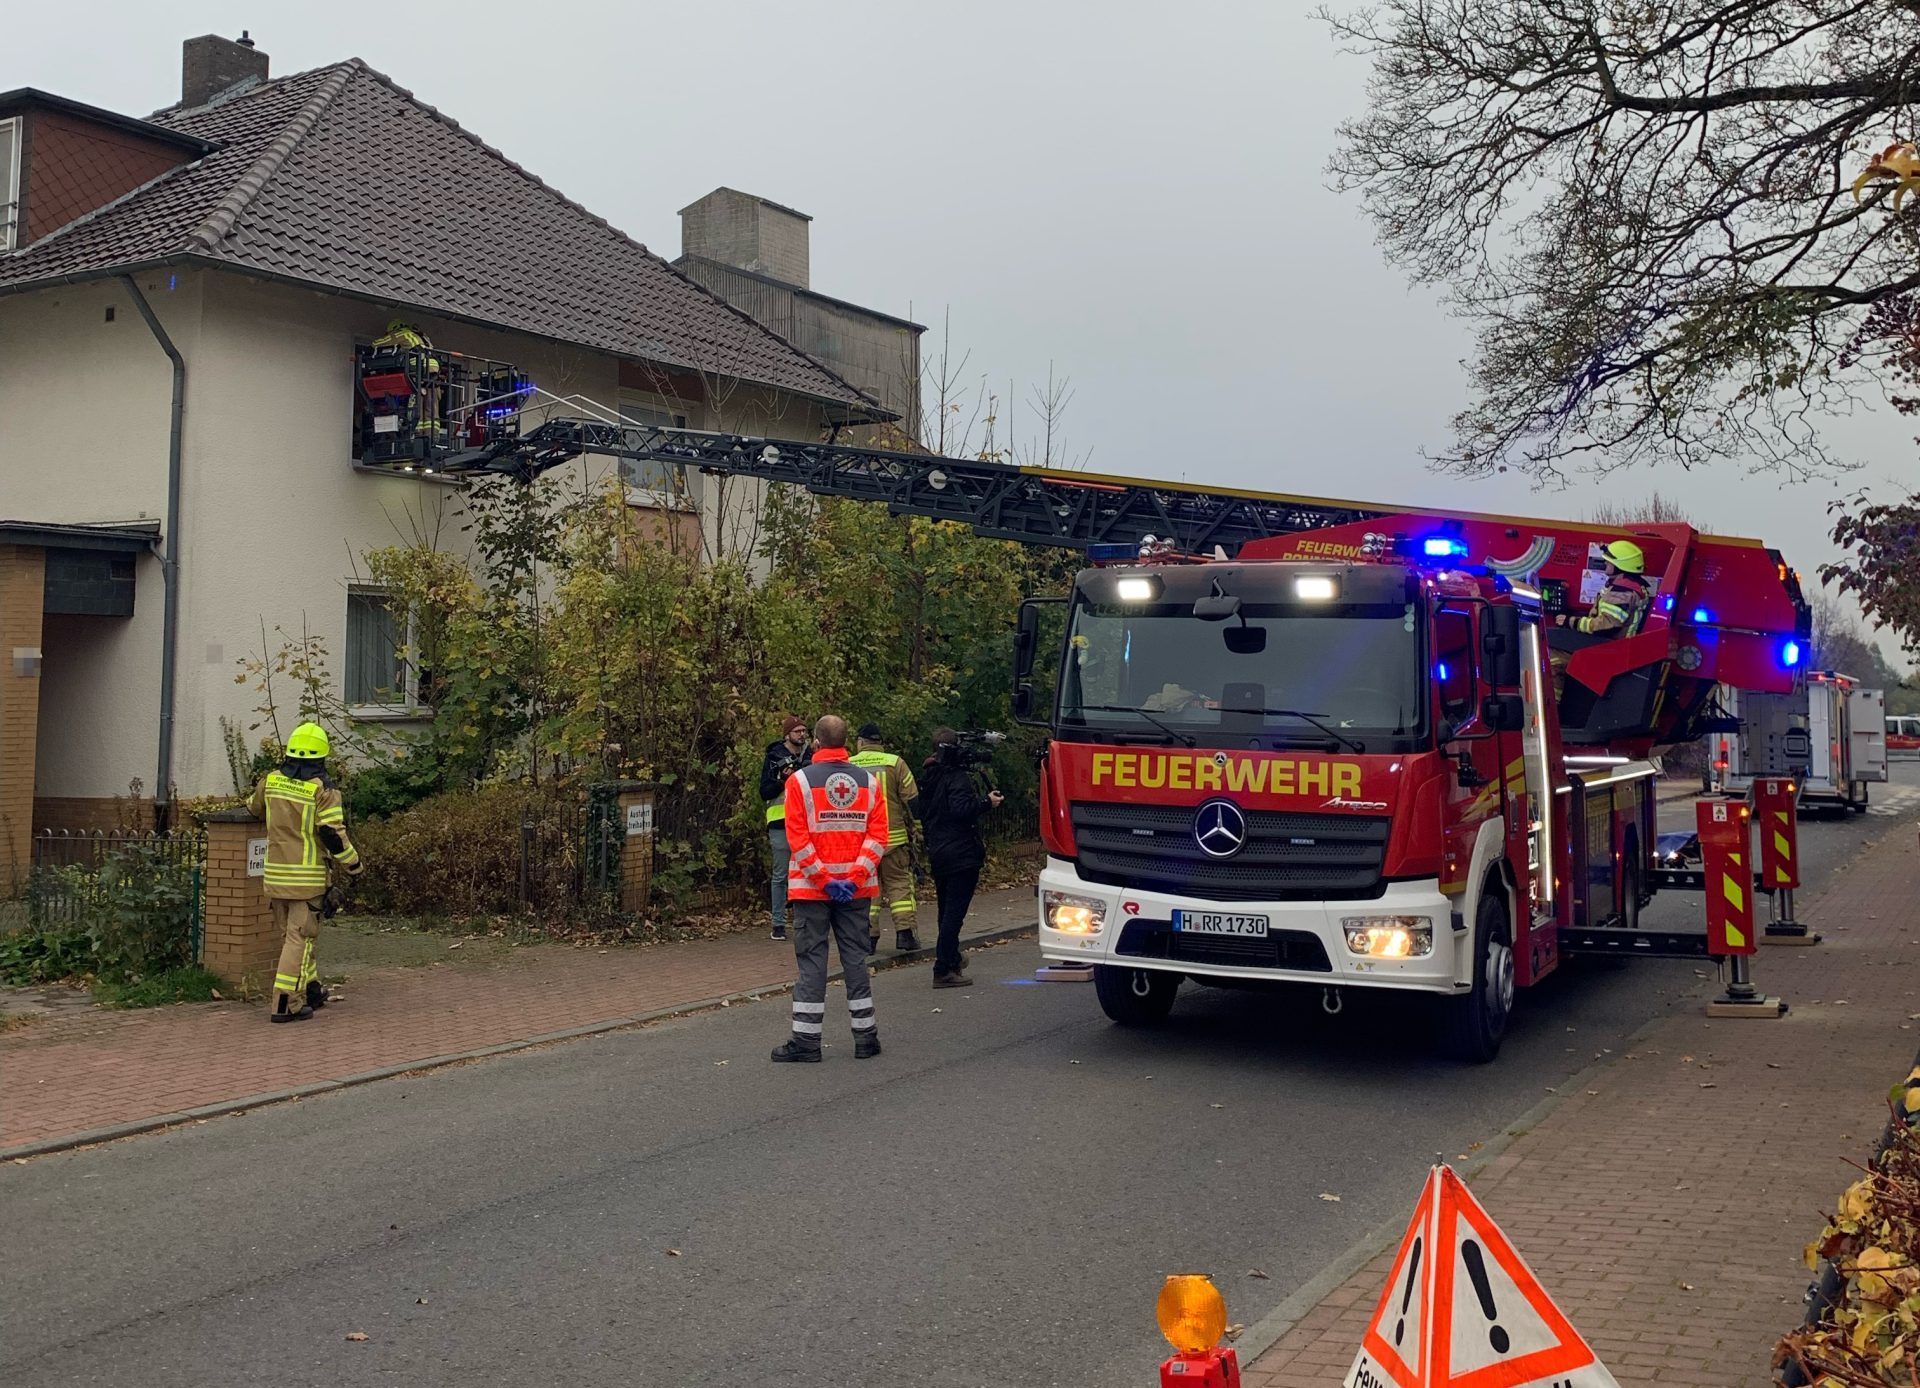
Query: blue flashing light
{"type": "Point", "coordinates": [1442, 547]}
{"type": "Point", "coordinates": [1666, 603]}
{"type": "Point", "coordinates": [1790, 654]}
{"type": "Point", "coordinates": [1701, 615]}
{"type": "Point", "coordinates": [1112, 554]}
{"type": "Point", "coordinates": [1440, 671]}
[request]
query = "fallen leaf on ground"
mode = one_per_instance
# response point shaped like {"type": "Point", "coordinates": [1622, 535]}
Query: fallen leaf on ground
{"type": "Point", "coordinates": [1773, 1065]}
{"type": "Point", "coordinates": [1075, 1062]}
{"type": "Point", "coordinates": [1234, 1332]}
{"type": "Point", "coordinates": [1325, 1196]}
{"type": "Point", "coordinates": [1709, 1084]}
{"type": "Point", "coordinates": [1255, 1272]}
{"type": "Point", "coordinates": [719, 1062]}
{"type": "Point", "coordinates": [421, 1302]}
{"type": "Point", "coordinates": [1209, 1105]}
{"type": "Point", "coordinates": [673, 1253]}
{"type": "Point", "coordinates": [356, 1335]}
{"type": "Point", "coordinates": [1685, 1286]}
{"type": "Point", "coordinates": [456, 944]}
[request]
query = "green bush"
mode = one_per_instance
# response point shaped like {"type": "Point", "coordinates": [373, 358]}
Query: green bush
{"type": "Point", "coordinates": [45, 954]}
{"type": "Point", "coordinates": [381, 789]}
{"type": "Point", "coordinates": [120, 925]}
{"type": "Point", "coordinates": [458, 854]}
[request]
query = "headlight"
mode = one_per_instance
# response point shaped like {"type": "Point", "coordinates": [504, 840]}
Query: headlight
{"type": "Point", "coordinates": [1389, 937]}
{"type": "Point", "coordinates": [1073, 915]}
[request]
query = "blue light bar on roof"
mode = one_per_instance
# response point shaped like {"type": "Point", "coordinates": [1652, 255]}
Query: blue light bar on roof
{"type": "Point", "coordinates": [1702, 615]}
{"type": "Point", "coordinates": [1112, 554]}
{"type": "Point", "coordinates": [1442, 547]}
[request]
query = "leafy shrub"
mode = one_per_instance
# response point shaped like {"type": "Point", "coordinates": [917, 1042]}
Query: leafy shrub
{"type": "Point", "coordinates": [458, 854]}
{"type": "Point", "coordinates": [380, 789]}
{"type": "Point", "coordinates": [128, 920]}
{"type": "Point", "coordinates": [45, 954]}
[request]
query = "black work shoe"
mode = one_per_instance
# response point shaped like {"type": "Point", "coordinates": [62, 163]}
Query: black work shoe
{"type": "Point", "coordinates": [866, 1045]}
{"type": "Point", "coordinates": [779, 932]}
{"type": "Point", "coordinates": [317, 995]}
{"type": "Point", "coordinates": [300, 1016]}
{"type": "Point", "coordinates": [903, 941]}
{"type": "Point", "coordinates": [794, 1051]}
{"type": "Point", "coordinates": [952, 981]}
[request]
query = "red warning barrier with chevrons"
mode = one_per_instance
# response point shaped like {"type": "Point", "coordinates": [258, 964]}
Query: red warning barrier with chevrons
{"type": "Point", "coordinates": [1726, 858]}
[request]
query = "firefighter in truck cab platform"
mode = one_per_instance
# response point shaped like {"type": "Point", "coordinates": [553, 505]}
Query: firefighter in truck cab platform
{"type": "Point", "coordinates": [306, 836]}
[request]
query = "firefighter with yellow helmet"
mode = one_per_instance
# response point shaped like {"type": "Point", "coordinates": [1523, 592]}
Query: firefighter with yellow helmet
{"type": "Point", "coordinates": [1619, 609]}
{"type": "Point", "coordinates": [306, 835]}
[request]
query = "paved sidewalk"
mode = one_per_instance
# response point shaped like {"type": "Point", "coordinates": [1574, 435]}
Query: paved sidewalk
{"type": "Point", "coordinates": [93, 1074]}
{"type": "Point", "coordinates": [1665, 1203]}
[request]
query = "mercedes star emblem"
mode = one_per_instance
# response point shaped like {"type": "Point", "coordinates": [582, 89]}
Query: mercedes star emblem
{"type": "Point", "coordinates": [1219, 828]}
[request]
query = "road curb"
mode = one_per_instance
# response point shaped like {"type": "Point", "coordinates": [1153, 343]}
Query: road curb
{"type": "Point", "coordinates": [1260, 1337]}
{"type": "Point", "coordinates": [93, 1137]}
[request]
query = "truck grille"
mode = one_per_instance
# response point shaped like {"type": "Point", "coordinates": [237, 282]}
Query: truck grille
{"type": "Point", "coordinates": [1281, 949]}
{"type": "Point", "coordinates": [1287, 857]}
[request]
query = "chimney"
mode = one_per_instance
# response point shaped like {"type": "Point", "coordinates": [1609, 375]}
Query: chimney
{"type": "Point", "coordinates": [748, 233]}
{"type": "Point", "coordinates": [211, 66]}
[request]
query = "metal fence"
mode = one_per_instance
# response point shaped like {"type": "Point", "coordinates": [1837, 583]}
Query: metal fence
{"type": "Point", "coordinates": [68, 881]}
{"type": "Point", "coordinates": [570, 852]}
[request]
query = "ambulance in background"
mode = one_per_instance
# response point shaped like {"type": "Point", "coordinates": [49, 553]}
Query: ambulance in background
{"type": "Point", "coordinates": [1829, 731]}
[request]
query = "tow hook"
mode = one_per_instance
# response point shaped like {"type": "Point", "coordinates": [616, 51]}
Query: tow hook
{"type": "Point", "coordinates": [1142, 985]}
{"type": "Point", "coordinates": [1330, 1001]}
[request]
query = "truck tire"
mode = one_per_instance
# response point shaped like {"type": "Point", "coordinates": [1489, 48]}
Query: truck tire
{"type": "Point", "coordinates": [1630, 887]}
{"type": "Point", "coordinates": [1476, 1021]}
{"type": "Point", "coordinates": [1121, 999]}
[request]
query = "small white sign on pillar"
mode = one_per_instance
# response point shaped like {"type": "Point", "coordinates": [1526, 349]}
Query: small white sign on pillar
{"type": "Point", "coordinates": [256, 857]}
{"type": "Point", "coordinates": [640, 819]}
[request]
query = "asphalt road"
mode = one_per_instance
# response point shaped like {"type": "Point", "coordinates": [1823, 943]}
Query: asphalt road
{"type": "Point", "coordinates": [994, 1200]}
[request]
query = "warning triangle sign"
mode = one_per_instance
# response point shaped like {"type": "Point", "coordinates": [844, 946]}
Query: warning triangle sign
{"type": "Point", "coordinates": [1390, 1351]}
{"type": "Point", "coordinates": [1463, 1310]}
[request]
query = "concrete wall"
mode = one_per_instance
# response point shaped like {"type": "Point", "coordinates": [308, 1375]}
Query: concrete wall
{"type": "Point", "coordinates": [275, 519]}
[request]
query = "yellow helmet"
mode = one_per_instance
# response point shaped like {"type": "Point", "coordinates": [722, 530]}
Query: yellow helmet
{"type": "Point", "coordinates": [309, 741]}
{"type": "Point", "coordinates": [1625, 556]}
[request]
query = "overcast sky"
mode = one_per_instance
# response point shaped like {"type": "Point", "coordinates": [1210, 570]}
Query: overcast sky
{"type": "Point", "coordinates": [1133, 192]}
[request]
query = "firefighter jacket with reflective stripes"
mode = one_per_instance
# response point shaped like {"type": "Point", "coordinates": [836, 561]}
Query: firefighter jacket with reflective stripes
{"type": "Point", "coordinates": [1621, 606]}
{"type": "Point", "coordinates": [897, 781]}
{"type": "Point", "coordinates": [836, 827]}
{"type": "Point", "coordinates": [296, 810]}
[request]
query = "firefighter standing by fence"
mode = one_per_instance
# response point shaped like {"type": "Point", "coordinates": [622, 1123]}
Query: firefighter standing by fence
{"type": "Point", "coordinates": [306, 834]}
{"type": "Point", "coordinates": [896, 868]}
{"type": "Point", "coordinates": [837, 830]}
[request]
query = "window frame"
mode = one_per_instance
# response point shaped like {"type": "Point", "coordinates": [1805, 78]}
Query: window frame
{"type": "Point", "coordinates": [13, 139]}
{"type": "Point", "coordinates": [408, 705]}
{"type": "Point", "coordinates": [684, 496]}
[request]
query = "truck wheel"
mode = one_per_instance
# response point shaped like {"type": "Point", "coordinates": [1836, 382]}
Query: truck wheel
{"type": "Point", "coordinates": [1630, 889]}
{"type": "Point", "coordinates": [1476, 1022]}
{"type": "Point", "coordinates": [1135, 997]}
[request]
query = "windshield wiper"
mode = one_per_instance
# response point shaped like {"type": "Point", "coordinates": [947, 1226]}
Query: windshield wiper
{"type": "Point", "coordinates": [1340, 738]}
{"type": "Point", "coordinates": [1179, 737]}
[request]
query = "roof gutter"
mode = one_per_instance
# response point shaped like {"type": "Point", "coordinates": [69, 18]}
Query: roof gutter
{"type": "Point", "coordinates": [169, 558]}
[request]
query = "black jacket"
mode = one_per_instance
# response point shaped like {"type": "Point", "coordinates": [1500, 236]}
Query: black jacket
{"type": "Point", "coordinates": [951, 807]}
{"type": "Point", "coordinates": [780, 763]}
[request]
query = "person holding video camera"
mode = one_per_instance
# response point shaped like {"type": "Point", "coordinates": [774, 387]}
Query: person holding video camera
{"type": "Point", "coordinates": [953, 800]}
{"type": "Point", "coordinates": [783, 758]}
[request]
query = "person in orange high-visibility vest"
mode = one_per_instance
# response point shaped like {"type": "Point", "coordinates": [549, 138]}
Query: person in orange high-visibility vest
{"type": "Point", "coordinates": [837, 832]}
{"type": "Point", "coordinates": [306, 835]}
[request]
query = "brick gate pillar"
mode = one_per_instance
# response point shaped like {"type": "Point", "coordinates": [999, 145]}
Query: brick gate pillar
{"type": "Point", "coordinates": [23, 596]}
{"type": "Point", "coordinates": [237, 938]}
{"type": "Point", "coordinates": [636, 844]}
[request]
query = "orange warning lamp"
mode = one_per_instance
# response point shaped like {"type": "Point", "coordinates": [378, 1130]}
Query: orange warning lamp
{"type": "Point", "coordinates": [1193, 1317]}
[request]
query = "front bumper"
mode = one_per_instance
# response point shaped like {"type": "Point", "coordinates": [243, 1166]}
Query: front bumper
{"type": "Point", "coordinates": [1305, 942]}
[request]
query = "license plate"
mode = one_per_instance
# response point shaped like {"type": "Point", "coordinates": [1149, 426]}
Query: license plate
{"type": "Point", "coordinates": [1220, 923]}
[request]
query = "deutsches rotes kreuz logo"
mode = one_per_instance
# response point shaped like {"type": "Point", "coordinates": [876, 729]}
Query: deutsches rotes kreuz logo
{"type": "Point", "coordinates": [842, 790]}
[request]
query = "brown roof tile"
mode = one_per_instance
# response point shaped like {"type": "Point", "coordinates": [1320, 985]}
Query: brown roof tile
{"type": "Point", "coordinates": [339, 178]}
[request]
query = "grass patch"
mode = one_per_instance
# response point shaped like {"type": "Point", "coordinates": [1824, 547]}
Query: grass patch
{"type": "Point", "coordinates": [14, 1021]}
{"type": "Point", "coordinates": [188, 983]}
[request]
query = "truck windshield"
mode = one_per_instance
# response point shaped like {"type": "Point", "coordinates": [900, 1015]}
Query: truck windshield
{"type": "Point", "coordinates": [1158, 671]}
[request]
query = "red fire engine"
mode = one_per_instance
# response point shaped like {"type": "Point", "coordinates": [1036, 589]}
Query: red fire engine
{"type": "Point", "coordinates": [1339, 759]}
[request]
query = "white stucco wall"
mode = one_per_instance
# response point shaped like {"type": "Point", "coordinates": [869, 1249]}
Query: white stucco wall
{"type": "Point", "coordinates": [275, 519]}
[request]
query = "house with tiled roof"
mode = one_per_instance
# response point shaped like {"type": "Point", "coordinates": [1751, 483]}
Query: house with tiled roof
{"type": "Point", "coordinates": [181, 300]}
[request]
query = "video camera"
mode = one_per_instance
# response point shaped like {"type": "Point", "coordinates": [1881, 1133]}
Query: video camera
{"type": "Point", "coordinates": [974, 748]}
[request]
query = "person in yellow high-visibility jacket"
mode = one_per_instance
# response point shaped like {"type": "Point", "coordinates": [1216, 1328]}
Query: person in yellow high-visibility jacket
{"type": "Point", "coordinates": [896, 868]}
{"type": "Point", "coordinates": [306, 835]}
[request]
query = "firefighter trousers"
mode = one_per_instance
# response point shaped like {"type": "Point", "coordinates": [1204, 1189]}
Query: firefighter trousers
{"type": "Point", "coordinates": [896, 889]}
{"type": "Point", "coordinates": [299, 923]}
{"type": "Point", "coordinates": [812, 922]}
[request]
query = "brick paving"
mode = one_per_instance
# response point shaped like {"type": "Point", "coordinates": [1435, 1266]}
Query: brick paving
{"type": "Point", "coordinates": [1666, 1204]}
{"type": "Point", "coordinates": [88, 1069]}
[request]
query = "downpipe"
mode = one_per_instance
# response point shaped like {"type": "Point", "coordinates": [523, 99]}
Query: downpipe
{"type": "Point", "coordinates": [169, 560]}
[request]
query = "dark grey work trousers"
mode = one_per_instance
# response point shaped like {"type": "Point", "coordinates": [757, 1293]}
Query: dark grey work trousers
{"type": "Point", "coordinates": [811, 923]}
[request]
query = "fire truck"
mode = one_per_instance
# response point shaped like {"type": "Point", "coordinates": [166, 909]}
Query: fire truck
{"type": "Point", "coordinates": [1829, 732]}
{"type": "Point", "coordinates": [1292, 740]}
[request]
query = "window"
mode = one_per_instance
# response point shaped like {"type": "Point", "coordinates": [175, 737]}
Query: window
{"type": "Point", "coordinates": [663, 483]}
{"type": "Point", "coordinates": [9, 182]}
{"type": "Point", "coordinates": [379, 639]}
{"type": "Point", "coordinates": [1453, 661]}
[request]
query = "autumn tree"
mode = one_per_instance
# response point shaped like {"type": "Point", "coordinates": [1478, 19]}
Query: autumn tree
{"type": "Point", "coordinates": [1648, 211]}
